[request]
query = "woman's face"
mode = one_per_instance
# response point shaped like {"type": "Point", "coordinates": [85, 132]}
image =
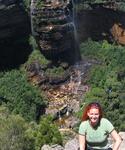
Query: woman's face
{"type": "Point", "coordinates": [93, 115]}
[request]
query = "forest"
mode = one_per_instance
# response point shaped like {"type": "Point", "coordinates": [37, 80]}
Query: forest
{"type": "Point", "coordinates": [23, 126]}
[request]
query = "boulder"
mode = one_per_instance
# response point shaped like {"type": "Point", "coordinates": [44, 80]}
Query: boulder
{"type": "Point", "coordinates": [122, 146]}
{"type": "Point", "coordinates": [72, 144]}
{"type": "Point", "coordinates": [118, 33]}
{"type": "Point", "coordinates": [53, 147]}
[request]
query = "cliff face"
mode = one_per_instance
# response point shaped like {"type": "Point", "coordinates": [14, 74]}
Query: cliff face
{"type": "Point", "coordinates": [14, 30]}
{"type": "Point", "coordinates": [13, 19]}
{"type": "Point", "coordinates": [101, 23]}
{"type": "Point", "coordinates": [54, 29]}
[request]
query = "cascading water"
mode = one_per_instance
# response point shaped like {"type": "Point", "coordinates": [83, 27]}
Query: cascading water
{"type": "Point", "coordinates": [75, 29]}
{"type": "Point", "coordinates": [31, 15]}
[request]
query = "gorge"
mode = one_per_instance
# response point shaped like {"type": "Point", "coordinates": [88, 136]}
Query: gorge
{"type": "Point", "coordinates": [51, 24]}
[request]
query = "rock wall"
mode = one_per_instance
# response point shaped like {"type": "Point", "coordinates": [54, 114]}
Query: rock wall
{"type": "Point", "coordinates": [98, 24]}
{"type": "Point", "coordinates": [54, 29]}
{"type": "Point", "coordinates": [14, 30]}
{"type": "Point", "coordinates": [13, 19]}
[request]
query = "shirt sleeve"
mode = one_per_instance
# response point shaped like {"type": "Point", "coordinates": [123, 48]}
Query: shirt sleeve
{"type": "Point", "coordinates": [82, 128]}
{"type": "Point", "coordinates": [109, 126]}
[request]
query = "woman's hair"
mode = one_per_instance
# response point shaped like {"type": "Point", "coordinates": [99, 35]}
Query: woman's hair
{"type": "Point", "coordinates": [88, 107]}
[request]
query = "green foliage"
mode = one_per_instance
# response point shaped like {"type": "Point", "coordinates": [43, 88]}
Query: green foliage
{"type": "Point", "coordinates": [39, 4]}
{"type": "Point", "coordinates": [87, 4]}
{"type": "Point", "coordinates": [55, 71]}
{"type": "Point", "coordinates": [36, 55]}
{"type": "Point", "coordinates": [45, 133]}
{"type": "Point", "coordinates": [121, 6]}
{"type": "Point", "coordinates": [98, 76]}
{"type": "Point", "coordinates": [90, 48]}
{"type": "Point", "coordinates": [12, 132]}
{"type": "Point", "coordinates": [32, 42]}
{"type": "Point", "coordinates": [22, 98]}
{"type": "Point", "coordinates": [27, 4]}
{"type": "Point", "coordinates": [106, 87]}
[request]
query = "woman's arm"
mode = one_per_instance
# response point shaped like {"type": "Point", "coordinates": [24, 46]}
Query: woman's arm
{"type": "Point", "coordinates": [82, 142]}
{"type": "Point", "coordinates": [117, 140]}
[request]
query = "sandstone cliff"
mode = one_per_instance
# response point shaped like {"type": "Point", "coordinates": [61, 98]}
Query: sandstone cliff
{"type": "Point", "coordinates": [14, 20]}
{"type": "Point", "coordinates": [53, 27]}
{"type": "Point", "coordinates": [14, 30]}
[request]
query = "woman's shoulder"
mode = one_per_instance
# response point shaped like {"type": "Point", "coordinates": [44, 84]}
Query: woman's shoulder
{"type": "Point", "coordinates": [105, 121]}
{"type": "Point", "coordinates": [106, 124]}
{"type": "Point", "coordinates": [83, 126]}
{"type": "Point", "coordinates": [84, 122]}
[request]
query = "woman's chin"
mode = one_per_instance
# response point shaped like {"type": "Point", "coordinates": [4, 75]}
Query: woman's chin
{"type": "Point", "coordinates": [94, 123]}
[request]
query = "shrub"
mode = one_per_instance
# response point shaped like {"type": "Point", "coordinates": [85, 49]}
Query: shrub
{"type": "Point", "coordinates": [45, 133]}
{"type": "Point", "coordinates": [27, 4]}
{"type": "Point", "coordinates": [107, 80]}
{"type": "Point", "coordinates": [12, 132]}
{"type": "Point", "coordinates": [21, 97]}
{"type": "Point", "coordinates": [55, 71]}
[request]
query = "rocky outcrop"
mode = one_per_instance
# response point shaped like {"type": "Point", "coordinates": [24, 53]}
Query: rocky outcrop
{"type": "Point", "coordinates": [13, 20]}
{"type": "Point", "coordinates": [122, 146]}
{"type": "Point", "coordinates": [99, 23]}
{"type": "Point", "coordinates": [54, 29]}
{"type": "Point", "coordinates": [54, 147]}
{"type": "Point", "coordinates": [118, 33]}
{"type": "Point", "coordinates": [14, 30]}
{"type": "Point", "coordinates": [73, 144]}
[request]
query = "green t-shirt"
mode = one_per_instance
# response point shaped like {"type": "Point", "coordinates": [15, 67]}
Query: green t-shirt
{"type": "Point", "coordinates": [96, 137]}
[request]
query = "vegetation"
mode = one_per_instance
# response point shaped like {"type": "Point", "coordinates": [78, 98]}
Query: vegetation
{"type": "Point", "coordinates": [89, 4]}
{"type": "Point", "coordinates": [44, 133]}
{"type": "Point", "coordinates": [107, 80]}
{"type": "Point", "coordinates": [55, 72]}
{"type": "Point", "coordinates": [27, 4]}
{"type": "Point", "coordinates": [39, 3]}
{"type": "Point", "coordinates": [16, 133]}
{"type": "Point", "coordinates": [13, 132]}
{"type": "Point", "coordinates": [19, 95]}
{"type": "Point", "coordinates": [19, 99]}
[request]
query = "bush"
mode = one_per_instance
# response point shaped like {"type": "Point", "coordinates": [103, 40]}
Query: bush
{"type": "Point", "coordinates": [90, 48]}
{"type": "Point", "coordinates": [45, 133]}
{"type": "Point", "coordinates": [55, 71]}
{"type": "Point", "coordinates": [12, 132]}
{"type": "Point", "coordinates": [107, 80]}
{"type": "Point", "coordinates": [20, 96]}
{"type": "Point", "coordinates": [27, 4]}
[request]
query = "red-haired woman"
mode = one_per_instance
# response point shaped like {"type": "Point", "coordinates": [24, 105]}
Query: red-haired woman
{"type": "Point", "coordinates": [94, 130]}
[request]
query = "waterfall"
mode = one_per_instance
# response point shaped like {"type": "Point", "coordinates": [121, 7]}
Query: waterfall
{"type": "Point", "coordinates": [75, 31]}
{"type": "Point", "coordinates": [32, 7]}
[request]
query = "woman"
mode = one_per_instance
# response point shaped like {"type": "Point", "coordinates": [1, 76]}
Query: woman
{"type": "Point", "coordinates": [94, 130]}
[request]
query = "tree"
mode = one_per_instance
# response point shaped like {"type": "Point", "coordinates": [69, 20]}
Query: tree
{"type": "Point", "coordinates": [21, 97]}
{"type": "Point", "coordinates": [46, 132]}
{"type": "Point", "coordinates": [12, 132]}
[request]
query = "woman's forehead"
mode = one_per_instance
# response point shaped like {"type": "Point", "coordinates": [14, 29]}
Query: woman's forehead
{"type": "Point", "coordinates": [93, 109]}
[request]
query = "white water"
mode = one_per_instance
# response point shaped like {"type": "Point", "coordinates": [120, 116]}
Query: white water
{"type": "Point", "coordinates": [75, 29]}
{"type": "Point", "coordinates": [75, 82]}
{"type": "Point", "coordinates": [32, 6]}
